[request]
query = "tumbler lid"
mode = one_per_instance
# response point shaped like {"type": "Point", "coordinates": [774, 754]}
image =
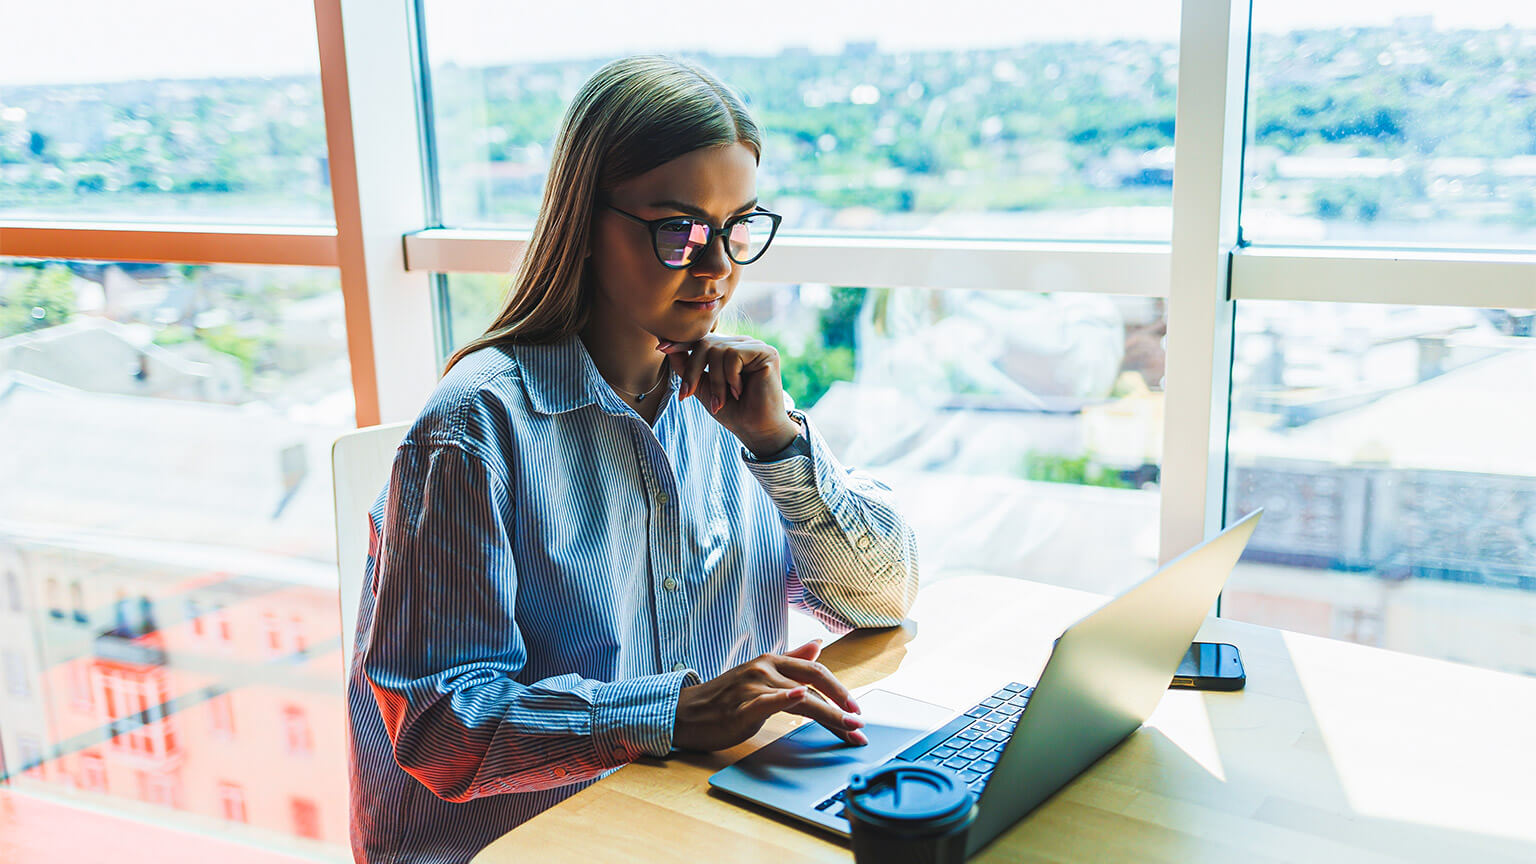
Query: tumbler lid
{"type": "Point", "coordinates": [903, 794]}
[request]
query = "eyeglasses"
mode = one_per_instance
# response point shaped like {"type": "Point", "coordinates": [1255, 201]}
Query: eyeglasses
{"type": "Point", "coordinates": [679, 240]}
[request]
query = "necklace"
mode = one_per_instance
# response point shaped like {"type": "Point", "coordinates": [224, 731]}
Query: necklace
{"type": "Point", "coordinates": [640, 397]}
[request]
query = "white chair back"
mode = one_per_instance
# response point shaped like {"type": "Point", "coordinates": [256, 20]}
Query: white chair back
{"type": "Point", "coordinates": [360, 463]}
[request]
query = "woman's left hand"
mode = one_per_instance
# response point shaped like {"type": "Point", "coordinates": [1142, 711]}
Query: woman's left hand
{"type": "Point", "coordinates": [737, 378]}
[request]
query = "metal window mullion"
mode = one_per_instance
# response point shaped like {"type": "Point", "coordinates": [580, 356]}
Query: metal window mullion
{"type": "Point", "coordinates": [1109, 268]}
{"type": "Point", "coordinates": [288, 245]}
{"type": "Point", "coordinates": [368, 84]}
{"type": "Point", "coordinates": [1213, 60]}
{"type": "Point", "coordinates": [1410, 278]}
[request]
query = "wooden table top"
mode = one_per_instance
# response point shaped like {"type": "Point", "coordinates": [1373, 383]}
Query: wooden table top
{"type": "Point", "coordinates": [1333, 752]}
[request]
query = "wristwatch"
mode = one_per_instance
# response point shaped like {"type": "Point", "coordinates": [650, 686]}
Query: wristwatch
{"type": "Point", "coordinates": [800, 445]}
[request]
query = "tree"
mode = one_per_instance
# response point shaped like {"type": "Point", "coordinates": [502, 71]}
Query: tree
{"type": "Point", "coordinates": [47, 299]}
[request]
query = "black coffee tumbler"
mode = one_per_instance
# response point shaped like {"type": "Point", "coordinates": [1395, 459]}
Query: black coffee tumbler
{"type": "Point", "coordinates": [905, 813]}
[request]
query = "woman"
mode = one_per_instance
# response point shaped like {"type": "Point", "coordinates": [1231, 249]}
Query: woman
{"type": "Point", "coordinates": [570, 568]}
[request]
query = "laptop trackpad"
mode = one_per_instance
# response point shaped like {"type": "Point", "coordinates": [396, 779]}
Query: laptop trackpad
{"type": "Point", "coordinates": [812, 762]}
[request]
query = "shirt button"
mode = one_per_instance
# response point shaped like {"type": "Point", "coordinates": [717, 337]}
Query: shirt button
{"type": "Point", "coordinates": [678, 667]}
{"type": "Point", "coordinates": [661, 498]}
{"type": "Point", "coordinates": [559, 772]}
{"type": "Point", "coordinates": [865, 542]}
{"type": "Point", "coordinates": [669, 583]}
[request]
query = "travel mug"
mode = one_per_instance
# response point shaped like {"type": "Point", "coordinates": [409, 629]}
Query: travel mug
{"type": "Point", "coordinates": [905, 813]}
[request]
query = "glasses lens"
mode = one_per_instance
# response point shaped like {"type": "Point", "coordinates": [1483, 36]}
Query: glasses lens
{"type": "Point", "coordinates": [750, 237]}
{"type": "Point", "coordinates": [679, 241]}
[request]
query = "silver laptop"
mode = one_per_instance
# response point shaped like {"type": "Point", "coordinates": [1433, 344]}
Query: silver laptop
{"type": "Point", "coordinates": [1105, 675]}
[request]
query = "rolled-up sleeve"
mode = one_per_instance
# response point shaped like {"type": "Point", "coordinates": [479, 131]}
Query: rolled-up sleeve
{"type": "Point", "coordinates": [853, 558]}
{"type": "Point", "coordinates": [445, 649]}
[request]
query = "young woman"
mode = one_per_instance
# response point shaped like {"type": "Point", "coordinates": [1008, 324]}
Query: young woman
{"type": "Point", "coordinates": [592, 533]}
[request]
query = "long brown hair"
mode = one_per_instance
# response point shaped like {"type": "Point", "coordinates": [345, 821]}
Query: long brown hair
{"type": "Point", "coordinates": [632, 115]}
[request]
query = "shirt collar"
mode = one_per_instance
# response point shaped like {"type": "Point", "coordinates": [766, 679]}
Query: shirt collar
{"type": "Point", "coordinates": [560, 376]}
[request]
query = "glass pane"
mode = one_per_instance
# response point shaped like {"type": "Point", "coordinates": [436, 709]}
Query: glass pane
{"type": "Point", "coordinates": [163, 110]}
{"type": "Point", "coordinates": [1391, 449]}
{"type": "Point", "coordinates": [1022, 432]}
{"type": "Point", "coordinates": [1411, 122]}
{"type": "Point", "coordinates": [167, 528]}
{"type": "Point", "coordinates": [882, 117]}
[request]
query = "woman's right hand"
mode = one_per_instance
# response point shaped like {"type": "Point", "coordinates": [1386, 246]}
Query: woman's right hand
{"type": "Point", "coordinates": [727, 710]}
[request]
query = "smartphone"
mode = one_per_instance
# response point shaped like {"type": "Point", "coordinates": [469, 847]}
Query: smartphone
{"type": "Point", "coordinates": [1210, 666]}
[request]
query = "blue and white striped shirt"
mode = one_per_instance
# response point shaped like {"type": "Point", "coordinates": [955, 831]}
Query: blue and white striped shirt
{"type": "Point", "coordinates": [546, 571]}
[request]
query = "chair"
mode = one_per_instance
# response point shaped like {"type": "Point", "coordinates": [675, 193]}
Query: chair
{"type": "Point", "coordinates": [360, 464]}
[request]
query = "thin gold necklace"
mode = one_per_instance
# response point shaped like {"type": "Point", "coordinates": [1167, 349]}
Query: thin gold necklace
{"type": "Point", "coordinates": [640, 397]}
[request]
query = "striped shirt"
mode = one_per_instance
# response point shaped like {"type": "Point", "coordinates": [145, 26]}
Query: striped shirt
{"type": "Point", "coordinates": [546, 571]}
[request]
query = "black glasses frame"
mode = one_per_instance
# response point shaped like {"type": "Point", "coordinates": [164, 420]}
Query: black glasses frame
{"type": "Point", "coordinates": [711, 232]}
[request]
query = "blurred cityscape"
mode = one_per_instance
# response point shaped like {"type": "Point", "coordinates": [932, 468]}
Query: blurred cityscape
{"type": "Point", "coordinates": [168, 615]}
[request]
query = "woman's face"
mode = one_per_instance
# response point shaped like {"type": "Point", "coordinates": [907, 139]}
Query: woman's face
{"type": "Point", "coordinates": [631, 285]}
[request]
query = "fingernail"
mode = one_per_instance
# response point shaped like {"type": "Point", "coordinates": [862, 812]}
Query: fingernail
{"type": "Point", "coordinates": [858, 738]}
{"type": "Point", "coordinates": [735, 392]}
{"type": "Point", "coordinates": [851, 721]}
{"type": "Point", "coordinates": [663, 345]}
{"type": "Point", "coordinates": [854, 706]}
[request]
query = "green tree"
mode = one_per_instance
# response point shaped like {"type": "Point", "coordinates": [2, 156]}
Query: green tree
{"type": "Point", "coordinates": [47, 299]}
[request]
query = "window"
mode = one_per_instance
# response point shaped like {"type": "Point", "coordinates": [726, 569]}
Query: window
{"type": "Point", "coordinates": [232, 801]}
{"type": "Point", "coordinates": [296, 733]}
{"type": "Point", "coordinates": [157, 788]}
{"type": "Point", "coordinates": [55, 599]}
{"type": "Point", "coordinates": [996, 410]}
{"type": "Point", "coordinates": [880, 118]}
{"type": "Point", "coordinates": [31, 751]}
{"type": "Point", "coordinates": [77, 600]}
{"type": "Point", "coordinates": [135, 703]}
{"type": "Point", "coordinates": [92, 773]}
{"type": "Point", "coordinates": [1407, 123]}
{"type": "Point", "coordinates": [17, 682]}
{"type": "Point", "coordinates": [306, 818]}
{"type": "Point", "coordinates": [272, 632]}
{"type": "Point", "coordinates": [1389, 449]}
{"type": "Point", "coordinates": [221, 715]}
{"type": "Point", "coordinates": [168, 112]}
{"type": "Point", "coordinates": [194, 612]}
{"type": "Point", "coordinates": [82, 692]}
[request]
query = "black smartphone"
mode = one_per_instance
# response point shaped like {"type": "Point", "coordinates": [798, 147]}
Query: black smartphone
{"type": "Point", "coordinates": [1210, 666]}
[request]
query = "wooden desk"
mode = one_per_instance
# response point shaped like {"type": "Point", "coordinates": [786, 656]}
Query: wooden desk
{"type": "Point", "coordinates": [1334, 752]}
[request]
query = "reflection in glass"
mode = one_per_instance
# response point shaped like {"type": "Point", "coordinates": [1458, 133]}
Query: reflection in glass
{"type": "Point", "coordinates": [1020, 128]}
{"type": "Point", "coordinates": [171, 426]}
{"type": "Point", "coordinates": [162, 111]}
{"type": "Point", "coordinates": [1022, 432]}
{"type": "Point", "coordinates": [1390, 448]}
{"type": "Point", "coordinates": [1409, 123]}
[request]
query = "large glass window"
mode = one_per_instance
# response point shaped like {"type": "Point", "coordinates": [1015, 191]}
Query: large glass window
{"type": "Point", "coordinates": [1390, 447]}
{"type": "Point", "coordinates": [985, 121]}
{"type": "Point", "coordinates": [1021, 431]}
{"type": "Point", "coordinates": [162, 110]}
{"type": "Point", "coordinates": [167, 436]}
{"type": "Point", "coordinates": [1409, 122]}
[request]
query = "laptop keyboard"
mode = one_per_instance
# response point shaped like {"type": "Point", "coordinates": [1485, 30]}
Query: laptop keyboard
{"type": "Point", "coordinates": [970, 745]}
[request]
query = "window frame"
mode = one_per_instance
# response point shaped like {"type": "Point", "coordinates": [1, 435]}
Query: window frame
{"type": "Point", "coordinates": [392, 252]}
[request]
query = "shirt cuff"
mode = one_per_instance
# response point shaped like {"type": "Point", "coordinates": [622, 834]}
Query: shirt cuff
{"type": "Point", "coordinates": [803, 487]}
{"type": "Point", "coordinates": [800, 445]}
{"type": "Point", "coordinates": [635, 717]}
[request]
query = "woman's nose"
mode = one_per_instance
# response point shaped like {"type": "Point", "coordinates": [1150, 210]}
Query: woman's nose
{"type": "Point", "coordinates": [712, 262]}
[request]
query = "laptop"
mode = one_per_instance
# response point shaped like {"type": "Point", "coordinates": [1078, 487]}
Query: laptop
{"type": "Point", "coordinates": [1104, 677]}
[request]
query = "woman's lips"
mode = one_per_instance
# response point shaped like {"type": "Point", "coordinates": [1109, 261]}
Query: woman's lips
{"type": "Point", "coordinates": [701, 305]}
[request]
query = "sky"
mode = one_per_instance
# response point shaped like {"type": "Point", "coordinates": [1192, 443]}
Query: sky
{"type": "Point", "coordinates": [63, 41]}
